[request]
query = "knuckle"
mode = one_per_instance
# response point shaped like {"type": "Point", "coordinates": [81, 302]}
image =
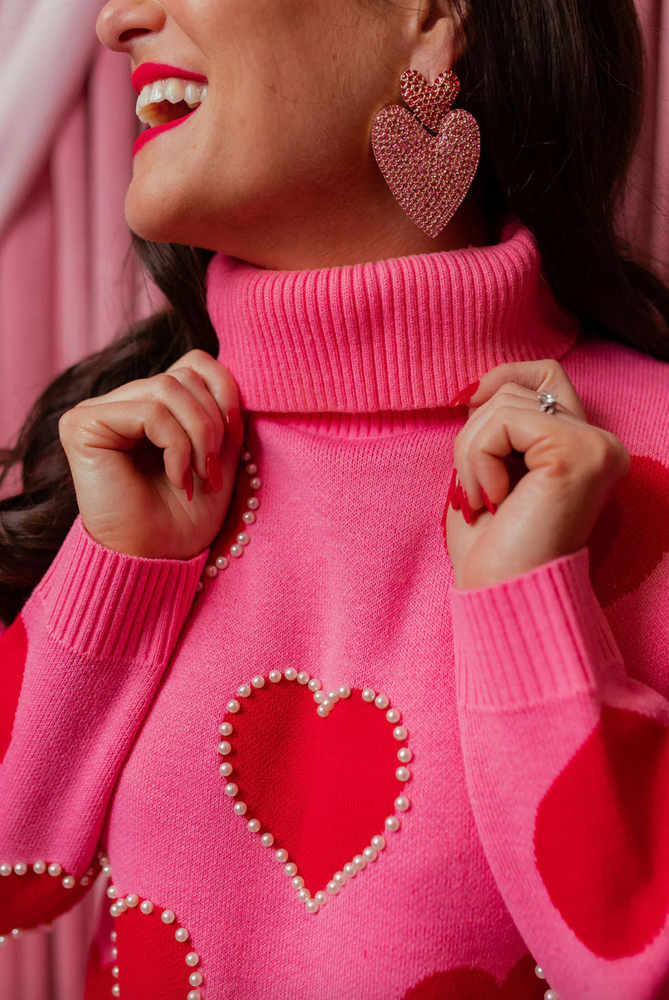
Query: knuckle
{"type": "Point", "coordinates": [164, 382]}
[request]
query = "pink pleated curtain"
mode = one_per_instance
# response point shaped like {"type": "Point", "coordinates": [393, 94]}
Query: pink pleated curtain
{"type": "Point", "coordinates": [67, 284]}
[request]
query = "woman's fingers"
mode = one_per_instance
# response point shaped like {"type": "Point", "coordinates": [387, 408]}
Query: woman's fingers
{"type": "Point", "coordinates": [117, 425]}
{"type": "Point", "coordinates": [546, 375]}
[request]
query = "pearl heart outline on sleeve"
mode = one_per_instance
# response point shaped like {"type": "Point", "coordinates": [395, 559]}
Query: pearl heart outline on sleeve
{"type": "Point", "coordinates": [325, 703]}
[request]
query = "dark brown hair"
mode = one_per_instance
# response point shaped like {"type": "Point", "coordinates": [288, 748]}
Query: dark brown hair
{"type": "Point", "coordinates": [557, 89]}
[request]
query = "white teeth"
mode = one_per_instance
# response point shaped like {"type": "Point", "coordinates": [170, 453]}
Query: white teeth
{"type": "Point", "coordinates": [172, 90]}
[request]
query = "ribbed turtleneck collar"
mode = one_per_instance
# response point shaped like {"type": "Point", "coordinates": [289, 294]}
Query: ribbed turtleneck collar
{"type": "Point", "coordinates": [402, 334]}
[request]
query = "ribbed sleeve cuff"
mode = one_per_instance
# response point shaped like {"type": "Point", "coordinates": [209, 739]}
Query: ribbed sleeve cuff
{"type": "Point", "coordinates": [537, 636]}
{"type": "Point", "coordinates": [106, 604]}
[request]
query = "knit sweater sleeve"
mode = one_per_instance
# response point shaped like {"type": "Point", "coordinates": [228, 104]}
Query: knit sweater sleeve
{"type": "Point", "coordinates": [567, 767]}
{"type": "Point", "coordinates": [80, 666]}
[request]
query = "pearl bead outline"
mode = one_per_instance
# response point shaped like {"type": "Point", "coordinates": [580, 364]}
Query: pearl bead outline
{"type": "Point", "coordinates": [243, 538]}
{"type": "Point", "coordinates": [168, 917]}
{"type": "Point", "coordinates": [325, 704]}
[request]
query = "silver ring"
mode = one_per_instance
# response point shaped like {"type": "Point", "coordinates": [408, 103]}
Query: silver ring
{"type": "Point", "coordinates": [548, 401]}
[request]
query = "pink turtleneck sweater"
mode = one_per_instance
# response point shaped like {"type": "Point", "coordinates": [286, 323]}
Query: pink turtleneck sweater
{"type": "Point", "coordinates": [490, 790]}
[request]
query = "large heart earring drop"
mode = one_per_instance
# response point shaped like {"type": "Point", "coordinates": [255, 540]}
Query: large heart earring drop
{"type": "Point", "coordinates": [428, 158]}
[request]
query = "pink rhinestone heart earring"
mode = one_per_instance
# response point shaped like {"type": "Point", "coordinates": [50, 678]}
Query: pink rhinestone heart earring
{"type": "Point", "coordinates": [427, 158]}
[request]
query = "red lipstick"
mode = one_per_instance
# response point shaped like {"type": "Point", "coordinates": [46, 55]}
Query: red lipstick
{"type": "Point", "coordinates": [150, 133]}
{"type": "Point", "coordinates": [150, 72]}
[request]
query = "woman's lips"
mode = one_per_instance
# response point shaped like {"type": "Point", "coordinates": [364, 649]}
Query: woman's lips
{"type": "Point", "coordinates": [150, 133]}
{"type": "Point", "coordinates": [150, 72]}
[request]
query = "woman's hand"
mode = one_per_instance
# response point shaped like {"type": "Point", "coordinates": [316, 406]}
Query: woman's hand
{"type": "Point", "coordinates": [132, 453]}
{"type": "Point", "coordinates": [546, 512]}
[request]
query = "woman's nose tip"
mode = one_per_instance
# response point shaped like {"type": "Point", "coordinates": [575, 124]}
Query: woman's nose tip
{"type": "Point", "coordinates": [121, 21]}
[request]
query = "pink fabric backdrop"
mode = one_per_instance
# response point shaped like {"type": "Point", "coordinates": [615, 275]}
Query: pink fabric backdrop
{"type": "Point", "coordinates": [64, 289]}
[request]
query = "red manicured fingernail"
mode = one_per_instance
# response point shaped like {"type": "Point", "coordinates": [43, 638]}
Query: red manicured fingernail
{"type": "Point", "coordinates": [465, 394]}
{"type": "Point", "coordinates": [234, 419]}
{"type": "Point", "coordinates": [456, 493]}
{"type": "Point", "coordinates": [451, 488]}
{"type": "Point", "coordinates": [214, 471]}
{"type": "Point", "coordinates": [492, 507]}
{"type": "Point", "coordinates": [464, 503]}
{"type": "Point", "coordinates": [188, 483]}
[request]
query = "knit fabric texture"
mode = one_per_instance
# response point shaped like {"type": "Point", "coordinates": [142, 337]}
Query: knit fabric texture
{"type": "Point", "coordinates": [535, 821]}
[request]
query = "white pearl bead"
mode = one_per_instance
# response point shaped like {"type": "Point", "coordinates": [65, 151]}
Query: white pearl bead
{"type": "Point", "coordinates": [255, 483]}
{"type": "Point", "coordinates": [192, 958]}
{"type": "Point", "coordinates": [243, 538]}
{"type": "Point", "coordinates": [240, 808]}
{"type": "Point", "coordinates": [194, 995]}
{"type": "Point", "coordinates": [114, 971]}
{"type": "Point", "coordinates": [111, 891]}
{"type": "Point", "coordinates": [333, 888]}
{"type": "Point", "coordinates": [539, 972]}
{"type": "Point", "coordinates": [181, 935]}
{"type": "Point", "coordinates": [251, 468]}
{"type": "Point", "coordinates": [17, 932]}
{"type": "Point", "coordinates": [333, 696]}
{"type": "Point", "coordinates": [290, 673]}
{"type": "Point", "coordinates": [3, 940]}
{"type": "Point", "coordinates": [231, 789]}
{"type": "Point", "coordinates": [224, 747]}
{"type": "Point", "coordinates": [281, 855]}
{"type": "Point", "coordinates": [146, 906]}
{"type": "Point", "coordinates": [400, 733]}
{"type": "Point", "coordinates": [404, 755]}
{"type": "Point", "coordinates": [245, 456]}
{"type": "Point", "coordinates": [244, 690]}
{"type": "Point", "coordinates": [236, 551]}
{"type": "Point", "coordinates": [344, 691]}
{"type": "Point", "coordinates": [39, 867]}
{"type": "Point", "coordinates": [303, 895]}
{"type": "Point", "coordinates": [114, 910]}
{"type": "Point", "coordinates": [319, 697]}
{"type": "Point", "coordinates": [225, 728]}
{"type": "Point", "coordinates": [195, 978]}
{"type": "Point", "coordinates": [297, 882]}
{"type": "Point", "coordinates": [167, 916]}
{"type": "Point", "coordinates": [368, 694]}
{"type": "Point", "coordinates": [339, 878]}
{"type": "Point", "coordinates": [20, 868]}
{"type": "Point", "coordinates": [275, 676]}
{"type": "Point", "coordinates": [369, 854]}
{"type": "Point", "coordinates": [350, 870]}
{"type": "Point", "coordinates": [222, 562]}
{"type": "Point", "coordinates": [303, 677]}
{"type": "Point", "coordinates": [551, 995]}
{"type": "Point", "coordinates": [327, 704]}
{"type": "Point", "coordinates": [114, 954]}
{"type": "Point", "coordinates": [121, 905]}
{"type": "Point", "coordinates": [225, 768]}
{"type": "Point", "coordinates": [233, 706]}
{"type": "Point", "coordinates": [291, 869]}
{"type": "Point", "coordinates": [106, 870]}
{"type": "Point", "coordinates": [381, 701]}
{"type": "Point", "coordinates": [116, 990]}
{"type": "Point", "coordinates": [6, 870]}
{"type": "Point", "coordinates": [248, 517]}
{"type": "Point", "coordinates": [323, 711]}
{"type": "Point", "coordinates": [312, 906]}
{"type": "Point", "coordinates": [315, 684]}
{"type": "Point", "coordinates": [360, 862]}
{"type": "Point", "coordinates": [253, 825]}
{"type": "Point", "coordinates": [85, 880]}
{"type": "Point", "coordinates": [69, 882]}
{"type": "Point", "coordinates": [392, 715]}
{"type": "Point", "coordinates": [267, 839]}
{"type": "Point", "coordinates": [113, 935]}
{"type": "Point", "coordinates": [393, 823]}
{"type": "Point", "coordinates": [402, 773]}
{"type": "Point", "coordinates": [54, 869]}
{"type": "Point", "coordinates": [258, 681]}
{"type": "Point", "coordinates": [198, 588]}
{"type": "Point", "coordinates": [211, 571]}
{"type": "Point", "coordinates": [402, 803]}
{"type": "Point", "coordinates": [132, 899]}
{"type": "Point", "coordinates": [378, 842]}
{"type": "Point", "coordinates": [253, 503]}
{"type": "Point", "coordinates": [321, 898]}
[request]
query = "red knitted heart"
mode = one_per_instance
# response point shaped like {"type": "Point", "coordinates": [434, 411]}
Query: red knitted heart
{"type": "Point", "coordinates": [474, 984]}
{"type": "Point", "coordinates": [429, 101]}
{"type": "Point", "coordinates": [322, 787]}
{"type": "Point", "coordinates": [428, 175]}
{"type": "Point", "coordinates": [631, 536]}
{"type": "Point", "coordinates": [13, 654]}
